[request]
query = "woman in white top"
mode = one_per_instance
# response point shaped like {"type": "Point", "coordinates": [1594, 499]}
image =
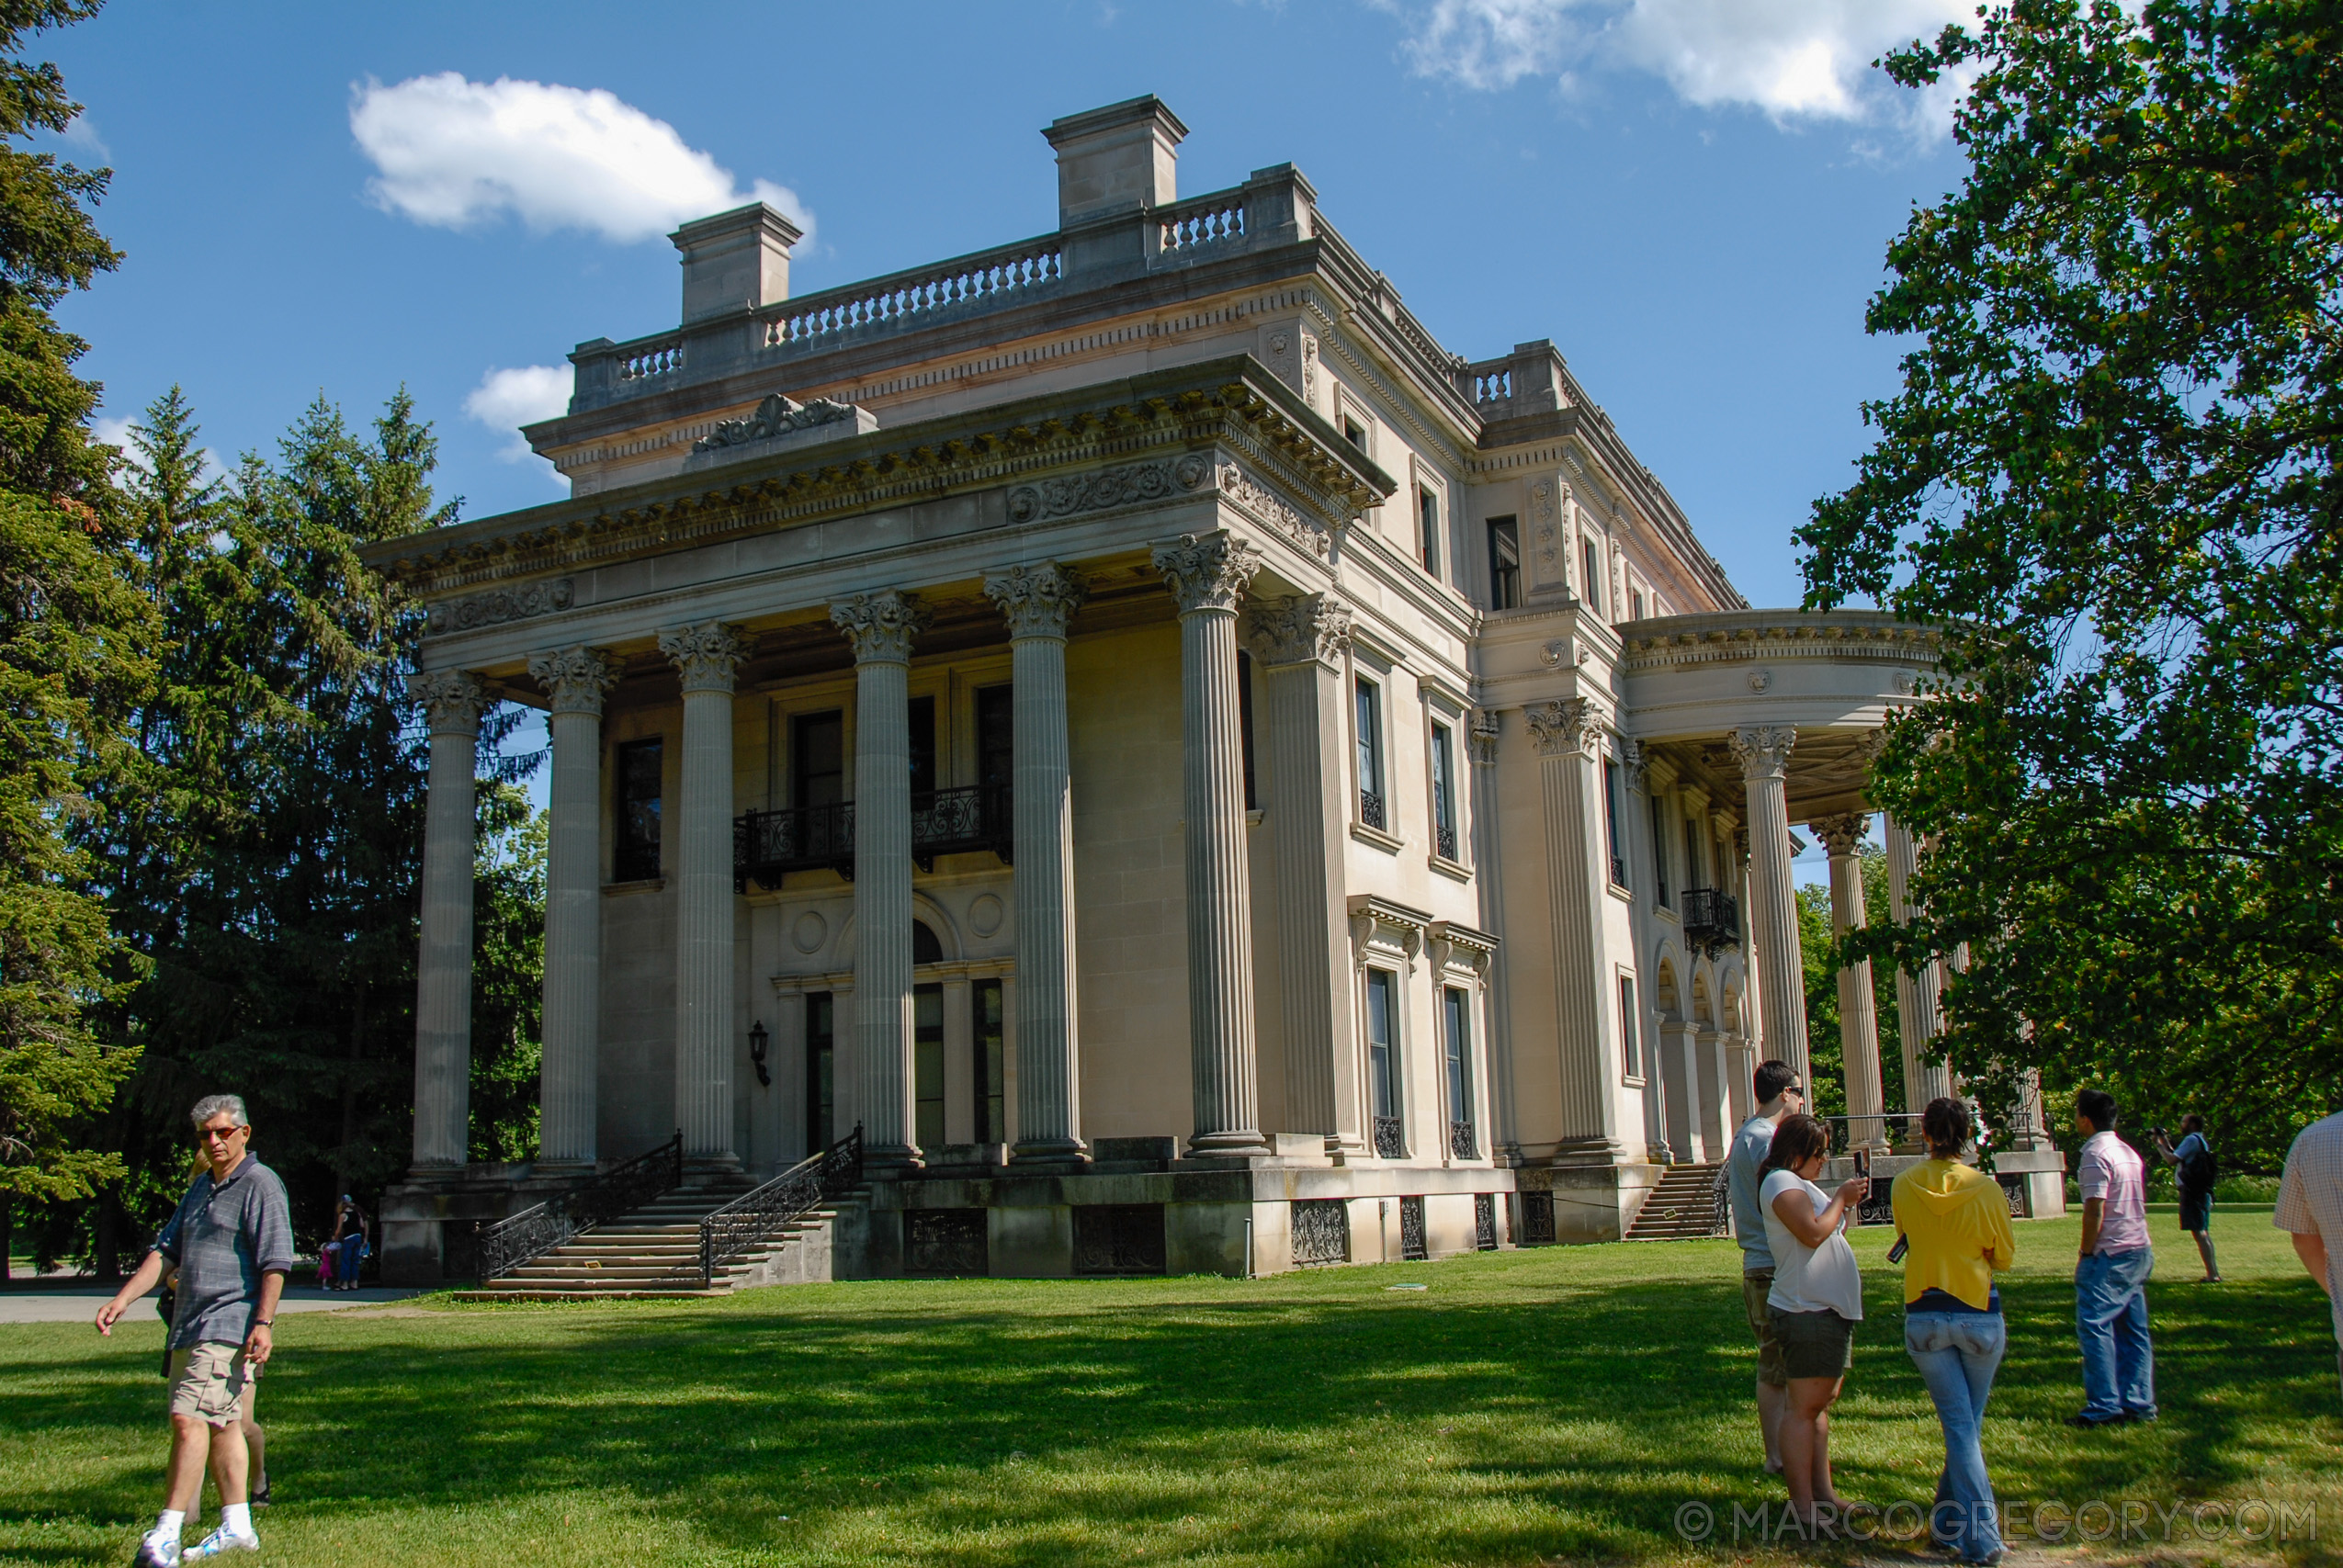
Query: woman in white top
{"type": "Point", "coordinates": [1816, 1302]}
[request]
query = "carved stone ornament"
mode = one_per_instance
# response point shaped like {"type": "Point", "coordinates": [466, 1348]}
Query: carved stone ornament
{"type": "Point", "coordinates": [451, 701]}
{"type": "Point", "coordinates": [1482, 737]}
{"type": "Point", "coordinates": [706, 655]}
{"type": "Point", "coordinates": [1207, 571]}
{"type": "Point", "coordinates": [1631, 761]}
{"type": "Point", "coordinates": [880, 626]}
{"type": "Point", "coordinates": [1037, 600]}
{"type": "Point", "coordinates": [499, 605]}
{"type": "Point", "coordinates": [574, 677]}
{"type": "Point", "coordinates": [1842, 835]}
{"type": "Point", "coordinates": [1764, 750]}
{"type": "Point", "coordinates": [1126, 486]}
{"type": "Point", "coordinates": [1297, 628]}
{"type": "Point", "coordinates": [1761, 679]}
{"type": "Point", "coordinates": [1241, 487]}
{"type": "Point", "coordinates": [775, 416]}
{"type": "Point", "coordinates": [1571, 726]}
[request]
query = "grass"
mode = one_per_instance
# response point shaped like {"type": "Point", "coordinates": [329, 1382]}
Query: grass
{"type": "Point", "coordinates": [1559, 1404]}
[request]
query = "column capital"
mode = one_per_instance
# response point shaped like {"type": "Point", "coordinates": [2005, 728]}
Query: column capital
{"type": "Point", "coordinates": [1572, 727]}
{"type": "Point", "coordinates": [1764, 750]}
{"type": "Point", "coordinates": [1037, 600]}
{"type": "Point", "coordinates": [706, 655]}
{"type": "Point", "coordinates": [1207, 571]}
{"type": "Point", "coordinates": [880, 626]}
{"type": "Point", "coordinates": [452, 700]}
{"type": "Point", "coordinates": [574, 677]}
{"type": "Point", "coordinates": [1482, 737]}
{"type": "Point", "coordinates": [1842, 835]}
{"type": "Point", "coordinates": [1298, 629]}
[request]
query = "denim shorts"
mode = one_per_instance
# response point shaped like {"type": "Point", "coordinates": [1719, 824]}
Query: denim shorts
{"type": "Point", "coordinates": [1815, 1343]}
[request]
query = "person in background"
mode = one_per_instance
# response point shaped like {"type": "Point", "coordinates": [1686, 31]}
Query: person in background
{"type": "Point", "coordinates": [1956, 1221]}
{"type": "Point", "coordinates": [353, 1243]}
{"type": "Point", "coordinates": [2112, 1275]}
{"type": "Point", "coordinates": [2194, 1176]}
{"type": "Point", "coordinates": [2310, 1208]}
{"type": "Point", "coordinates": [1779, 1092]}
{"type": "Point", "coordinates": [1815, 1301]}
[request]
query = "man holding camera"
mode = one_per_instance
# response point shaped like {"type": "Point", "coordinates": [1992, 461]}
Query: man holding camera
{"type": "Point", "coordinates": [1779, 1092]}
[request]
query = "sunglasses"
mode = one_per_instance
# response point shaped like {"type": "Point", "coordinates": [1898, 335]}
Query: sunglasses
{"type": "Point", "coordinates": [205, 1134]}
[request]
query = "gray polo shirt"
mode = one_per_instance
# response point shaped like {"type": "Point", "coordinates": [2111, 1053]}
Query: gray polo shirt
{"type": "Point", "coordinates": [225, 1235]}
{"type": "Point", "coordinates": [1750, 1145]}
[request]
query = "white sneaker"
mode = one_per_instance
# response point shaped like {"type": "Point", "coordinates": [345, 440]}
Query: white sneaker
{"type": "Point", "coordinates": [219, 1543]}
{"type": "Point", "coordinates": [157, 1551]}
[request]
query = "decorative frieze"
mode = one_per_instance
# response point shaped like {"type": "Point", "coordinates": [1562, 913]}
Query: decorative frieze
{"type": "Point", "coordinates": [499, 605]}
{"type": "Point", "coordinates": [1124, 486]}
{"type": "Point", "coordinates": [1037, 600]}
{"type": "Point", "coordinates": [706, 655]}
{"type": "Point", "coordinates": [1764, 750]}
{"type": "Point", "coordinates": [1241, 487]}
{"type": "Point", "coordinates": [880, 626]}
{"type": "Point", "coordinates": [1571, 726]}
{"type": "Point", "coordinates": [574, 677]}
{"type": "Point", "coordinates": [1207, 571]}
{"type": "Point", "coordinates": [452, 700]}
{"type": "Point", "coordinates": [1300, 627]}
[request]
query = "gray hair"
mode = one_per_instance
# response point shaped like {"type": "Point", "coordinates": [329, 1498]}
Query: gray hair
{"type": "Point", "coordinates": [212, 1105]}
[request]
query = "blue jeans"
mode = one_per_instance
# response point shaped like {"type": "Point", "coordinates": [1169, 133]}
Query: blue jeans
{"type": "Point", "coordinates": [1957, 1353]}
{"type": "Point", "coordinates": [2111, 1322]}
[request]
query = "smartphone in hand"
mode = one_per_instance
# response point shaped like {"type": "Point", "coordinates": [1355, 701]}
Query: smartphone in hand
{"type": "Point", "coordinates": [1896, 1253]}
{"type": "Point", "coordinates": [1862, 1164]}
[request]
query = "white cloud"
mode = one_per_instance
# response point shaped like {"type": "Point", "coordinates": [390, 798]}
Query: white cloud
{"type": "Point", "coordinates": [507, 398]}
{"type": "Point", "coordinates": [1792, 59]}
{"type": "Point", "coordinates": [454, 154]}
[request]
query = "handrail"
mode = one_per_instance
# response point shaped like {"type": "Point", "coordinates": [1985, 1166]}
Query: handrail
{"type": "Point", "coordinates": [807, 1185]}
{"type": "Point", "coordinates": [537, 1230]}
{"type": "Point", "coordinates": [1018, 268]}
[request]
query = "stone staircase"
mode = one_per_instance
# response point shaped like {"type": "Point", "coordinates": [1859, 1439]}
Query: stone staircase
{"type": "Point", "coordinates": [652, 1254]}
{"type": "Point", "coordinates": [1681, 1207]}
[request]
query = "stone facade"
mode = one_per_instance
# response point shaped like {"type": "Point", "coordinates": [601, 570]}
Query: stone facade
{"type": "Point", "coordinates": [1198, 772]}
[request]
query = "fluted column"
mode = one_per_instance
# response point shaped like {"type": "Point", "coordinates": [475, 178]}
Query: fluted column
{"type": "Point", "coordinates": [1038, 602]}
{"type": "Point", "coordinates": [452, 702]}
{"type": "Point", "coordinates": [1298, 643]}
{"type": "Point", "coordinates": [1857, 1014]}
{"type": "Point", "coordinates": [705, 656]}
{"type": "Point", "coordinates": [1638, 853]}
{"type": "Point", "coordinates": [1208, 574]}
{"type": "Point", "coordinates": [1764, 751]}
{"type": "Point", "coordinates": [1569, 738]}
{"type": "Point", "coordinates": [576, 678]}
{"type": "Point", "coordinates": [1489, 873]}
{"type": "Point", "coordinates": [1919, 997]}
{"type": "Point", "coordinates": [881, 626]}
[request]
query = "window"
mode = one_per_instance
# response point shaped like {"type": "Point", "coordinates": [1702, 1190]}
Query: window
{"type": "Point", "coordinates": [922, 717]}
{"type": "Point", "coordinates": [1354, 432]}
{"type": "Point", "coordinates": [927, 1066]}
{"type": "Point", "coordinates": [1456, 1026]}
{"type": "Point", "coordinates": [1658, 853]}
{"type": "Point", "coordinates": [818, 758]}
{"type": "Point", "coordinates": [1635, 598]}
{"type": "Point", "coordinates": [991, 1116]}
{"type": "Point", "coordinates": [1443, 805]}
{"type": "Point", "coordinates": [636, 856]}
{"type": "Point", "coordinates": [1428, 520]}
{"type": "Point", "coordinates": [1594, 576]}
{"type": "Point", "coordinates": [1611, 821]}
{"type": "Point", "coordinates": [1245, 720]}
{"type": "Point", "coordinates": [821, 1076]}
{"type": "Point", "coordinates": [996, 736]}
{"type": "Point", "coordinates": [925, 949]}
{"type": "Point", "coordinates": [1504, 564]}
{"type": "Point", "coordinates": [1370, 739]}
{"type": "Point", "coordinates": [1631, 1059]}
{"type": "Point", "coordinates": [1382, 1046]}
{"type": "Point", "coordinates": [1692, 854]}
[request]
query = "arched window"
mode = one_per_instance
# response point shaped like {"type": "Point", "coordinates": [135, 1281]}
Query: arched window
{"type": "Point", "coordinates": [925, 949]}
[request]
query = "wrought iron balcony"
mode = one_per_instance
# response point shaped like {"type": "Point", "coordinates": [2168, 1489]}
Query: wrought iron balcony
{"type": "Point", "coordinates": [960, 821]}
{"type": "Point", "coordinates": [1712, 919]}
{"type": "Point", "coordinates": [1390, 1138]}
{"type": "Point", "coordinates": [1618, 872]}
{"type": "Point", "coordinates": [767, 845]}
{"type": "Point", "coordinates": [1445, 835]}
{"type": "Point", "coordinates": [1464, 1141]}
{"type": "Point", "coordinates": [1370, 808]}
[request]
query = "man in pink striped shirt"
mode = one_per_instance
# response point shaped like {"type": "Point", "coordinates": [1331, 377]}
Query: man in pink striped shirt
{"type": "Point", "coordinates": [2112, 1276]}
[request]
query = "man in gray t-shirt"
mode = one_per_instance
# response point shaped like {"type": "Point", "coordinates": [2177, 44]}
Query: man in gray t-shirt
{"type": "Point", "coordinates": [1779, 1092]}
{"type": "Point", "coordinates": [232, 1240]}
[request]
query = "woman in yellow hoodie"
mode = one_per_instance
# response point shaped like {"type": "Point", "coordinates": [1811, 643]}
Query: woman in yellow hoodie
{"type": "Point", "coordinates": [1957, 1224]}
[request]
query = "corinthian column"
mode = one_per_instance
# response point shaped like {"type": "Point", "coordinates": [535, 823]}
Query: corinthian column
{"type": "Point", "coordinates": [1207, 573]}
{"type": "Point", "coordinates": [1858, 1016]}
{"type": "Point", "coordinates": [1764, 751]}
{"type": "Point", "coordinates": [1919, 997]}
{"type": "Point", "coordinates": [576, 679]}
{"type": "Point", "coordinates": [882, 626]}
{"type": "Point", "coordinates": [1299, 643]}
{"type": "Point", "coordinates": [452, 702]}
{"type": "Point", "coordinates": [1568, 737]}
{"type": "Point", "coordinates": [1642, 863]}
{"type": "Point", "coordinates": [705, 655]}
{"type": "Point", "coordinates": [1038, 602]}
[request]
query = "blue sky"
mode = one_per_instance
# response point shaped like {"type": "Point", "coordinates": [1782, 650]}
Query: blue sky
{"type": "Point", "coordinates": [1692, 198]}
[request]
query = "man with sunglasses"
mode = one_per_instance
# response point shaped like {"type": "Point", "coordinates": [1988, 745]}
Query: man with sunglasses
{"type": "Point", "coordinates": [232, 1241]}
{"type": "Point", "coordinates": [1779, 1092]}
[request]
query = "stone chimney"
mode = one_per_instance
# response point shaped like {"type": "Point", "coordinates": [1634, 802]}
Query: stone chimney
{"type": "Point", "coordinates": [1123, 158]}
{"type": "Point", "coordinates": [735, 261]}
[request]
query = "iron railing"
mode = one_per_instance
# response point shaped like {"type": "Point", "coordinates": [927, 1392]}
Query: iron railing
{"type": "Point", "coordinates": [1720, 1201]}
{"type": "Point", "coordinates": [1390, 1138]}
{"type": "Point", "coordinates": [1712, 919]}
{"type": "Point", "coordinates": [1899, 1132]}
{"type": "Point", "coordinates": [1618, 872]}
{"type": "Point", "coordinates": [1464, 1141]}
{"type": "Point", "coordinates": [1370, 808]}
{"type": "Point", "coordinates": [766, 845]}
{"type": "Point", "coordinates": [1321, 1231]}
{"type": "Point", "coordinates": [958, 822]}
{"type": "Point", "coordinates": [740, 1224]}
{"type": "Point", "coordinates": [1485, 1222]}
{"type": "Point", "coordinates": [1443, 834]}
{"type": "Point", "coordinates": [1414, 1243]}
{"type": "Point", "coordinates": [503, 1246]}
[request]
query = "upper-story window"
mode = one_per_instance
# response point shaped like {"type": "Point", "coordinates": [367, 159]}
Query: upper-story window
{"type": "Point", "coordinates": [818, 758]}
{"type": "Point", "coordinates": [1504, 564]}
{"type": "Point", "coordinates": [1611, 821]}
{"type": "Point", "coordinates": [1635, 603]}
{"type": "Point", "coordinates": [1369, 721]}
{"type": "Point", "coordinates": [635, 857]}
{"type": "Point", "coordinates": [1245, 721]}
{"type": "Point", "coordinates": [1658, 853]}
{"type": "Point", "coordinates": [1594, 576]}
{"type": "Point", "coordinates": [1354, 432]}
{"type": "Point", "coordinates": [1691, 854]}
{"type": "Point", "coordinates": [922, 717]}
{"type": "Point", "coordinates": [1631, 1060]}
{"type": "Point", "coordinates": [1443, 804]}
{"type": "Point", "coordinates": [996, 739]}
{"type": "Point", "coordinates": [1428, 526]}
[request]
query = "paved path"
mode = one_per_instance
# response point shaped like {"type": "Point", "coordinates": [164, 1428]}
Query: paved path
{"type": "Point", "coordinates": [79, 1303]}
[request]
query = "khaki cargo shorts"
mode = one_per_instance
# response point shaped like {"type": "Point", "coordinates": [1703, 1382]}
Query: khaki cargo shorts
{"type": "Point", "coordinates": [210, 1380]}
{"type": "Point", "coordinates": [1773, 1371]}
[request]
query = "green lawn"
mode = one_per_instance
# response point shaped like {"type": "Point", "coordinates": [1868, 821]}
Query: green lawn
{"type": "Point", "coordinates": [1556, 1403]}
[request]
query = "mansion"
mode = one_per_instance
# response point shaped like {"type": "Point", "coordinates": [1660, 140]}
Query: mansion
{"type": "Point", "coordinates": [1191, 768]}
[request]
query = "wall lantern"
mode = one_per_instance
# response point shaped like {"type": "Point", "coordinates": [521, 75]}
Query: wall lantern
{"type": "Point", "coordinates": [758, 1040]}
